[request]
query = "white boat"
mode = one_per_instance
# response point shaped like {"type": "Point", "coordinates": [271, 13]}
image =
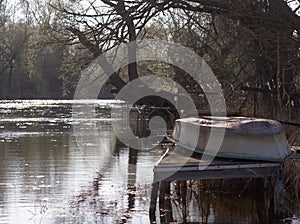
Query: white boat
{"type": "Point", "coordinates": [239, 137]}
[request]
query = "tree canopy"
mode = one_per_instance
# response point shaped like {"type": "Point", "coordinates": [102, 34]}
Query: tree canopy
{"type": "Point", "coordinates": [251, 45]}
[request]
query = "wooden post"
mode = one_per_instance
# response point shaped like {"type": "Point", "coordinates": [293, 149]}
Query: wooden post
{"type": "Point", "coordinates": [153, 201]}
{"type": "Point", "coordinates": [165, 207]}
{"type": "Point", "coordinates": [162, 194]}
{"type": "Point", "coordinates": [168, 205]}
{"type": "Point", "coordinates": [183, 191]}
{"type": "Point", "coordinates": [262, 201]}
{"type": "Point", "coordinates": [279, 196]}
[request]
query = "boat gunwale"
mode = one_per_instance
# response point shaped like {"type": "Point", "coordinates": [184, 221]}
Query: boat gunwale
{"type": "Point", "coordinates": [218, 155]}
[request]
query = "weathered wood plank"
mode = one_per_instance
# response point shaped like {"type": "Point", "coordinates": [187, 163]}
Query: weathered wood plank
{"type": "Point", "coordinates": [215, 174]}
{"type": "Point", "coordinates": [177, 166]}
{"type": "Point", "coordinates": [178, 157]}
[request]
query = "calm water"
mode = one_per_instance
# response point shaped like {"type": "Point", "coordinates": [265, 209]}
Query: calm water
{"type": "Point", "coordinates": [46, 178]}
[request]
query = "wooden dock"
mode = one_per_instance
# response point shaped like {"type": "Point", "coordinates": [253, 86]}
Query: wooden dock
{"type": "Point", "coordinates": [175, 166]}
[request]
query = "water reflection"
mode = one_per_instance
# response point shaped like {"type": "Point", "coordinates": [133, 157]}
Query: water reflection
{"type": "Point", "coordinates": [46, 178]}
{"type": "Point", "coordinates": [188, 202]}
{"type": "Point", "coordinates": [193, 202]}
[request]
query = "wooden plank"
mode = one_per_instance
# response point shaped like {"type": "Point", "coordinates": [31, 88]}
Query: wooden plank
{"type": "Point", "coordinates": [177, 166]}
{"type": "Point", "coordinates": [176, 157]}
{"type": "Point", "coordinates": [215, 174]}
{"type": "Point", "coordinates": [213, 167]}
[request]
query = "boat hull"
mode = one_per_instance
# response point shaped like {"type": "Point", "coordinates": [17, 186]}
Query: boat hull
{"type": "Point", "coordinates": [237, 143]}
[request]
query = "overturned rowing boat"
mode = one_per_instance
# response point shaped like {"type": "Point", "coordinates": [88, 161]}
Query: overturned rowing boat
{"type": "Point", "coordinates": [242, 138]}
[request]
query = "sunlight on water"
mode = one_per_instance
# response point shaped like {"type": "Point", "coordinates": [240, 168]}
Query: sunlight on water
{"type": "Point", "coordinates": [22, 104]}
{"type": "Point", "coordinates": [46, 178]}
{"type": "Point", "coordinates": [43, 173]}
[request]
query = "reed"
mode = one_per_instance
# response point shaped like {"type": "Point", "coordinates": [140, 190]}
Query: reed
{"type": "Point", "coordinates": [291, 175]}
{"type": "Point", "coordinates": [292, 180]}
{"type": "Point", "coordinates": [258, 190]}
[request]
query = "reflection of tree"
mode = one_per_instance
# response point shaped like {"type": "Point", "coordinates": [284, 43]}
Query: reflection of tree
{"type": "Point", "coordinates": [131, 180]}
{"type": "Point", "coordinates": [32, 174]}
{"type": "Point", "coordinates": [200, 201]}
{"type": "Point", "coordinates": [192, 202]}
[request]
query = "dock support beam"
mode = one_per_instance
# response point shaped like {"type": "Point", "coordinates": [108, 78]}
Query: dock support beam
{"type": "Point", "coordinates": [279, 196]}
{"type": "Point", "coordinates": [161, 190]}
{"type": "Point", "coordinates": [153, 201]}
{"type": "Point", "coordinates": [165, 206]}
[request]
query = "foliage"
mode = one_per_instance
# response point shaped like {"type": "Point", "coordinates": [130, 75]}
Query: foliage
{"type": "Point", "coordinates": [29, 66]}
{"type": "Point", "coordinates": [252, 46]}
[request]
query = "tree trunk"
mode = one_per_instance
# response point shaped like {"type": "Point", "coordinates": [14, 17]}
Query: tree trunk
{"type": "Point", "coordinates": [9, 93]}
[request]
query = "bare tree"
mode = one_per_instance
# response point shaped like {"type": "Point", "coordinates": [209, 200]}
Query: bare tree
{"type": "Point", "coordinates": [254, 43]}
{"type": "Point", "coordinates": [266, 33]}
{"type": "Point", "coordinates": [101, 26]}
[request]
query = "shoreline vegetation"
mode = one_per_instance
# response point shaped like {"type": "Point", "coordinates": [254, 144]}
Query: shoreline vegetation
{"type": "Point", "coordinates": [45, 45]}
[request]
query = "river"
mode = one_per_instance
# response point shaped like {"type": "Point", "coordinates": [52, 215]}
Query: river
{"type": "Point", "coordinates": [46, 177]}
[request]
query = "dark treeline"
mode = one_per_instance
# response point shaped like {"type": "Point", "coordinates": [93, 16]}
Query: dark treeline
{"type": "Point", "coordinates": [29, 64]}
{"type": "Point", "coordinates": [251, 45]}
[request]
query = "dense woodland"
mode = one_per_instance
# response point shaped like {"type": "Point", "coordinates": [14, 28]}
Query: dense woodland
{"type": "Point", "coordinates": [251, 45]}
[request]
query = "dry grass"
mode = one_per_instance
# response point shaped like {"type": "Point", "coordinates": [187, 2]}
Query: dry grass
{"type": "Point", "coordinates": [291, 174]}
{"type": "Point", "coordinates": [292, 179]}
